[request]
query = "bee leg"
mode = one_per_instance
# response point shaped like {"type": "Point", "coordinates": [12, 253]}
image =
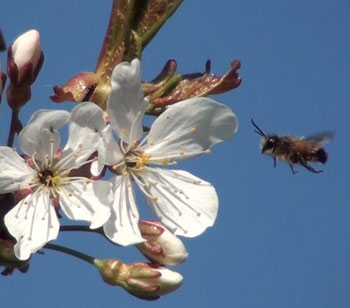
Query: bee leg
{"type": "Point", "coordinates": [308, 167]}
{"type": "Point", "coordinates": [292, 168]}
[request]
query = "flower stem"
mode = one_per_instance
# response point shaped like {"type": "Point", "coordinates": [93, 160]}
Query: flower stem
{"type": "Point", "coordinates": [71, 252]}
{"type": "Point", "coordinates": [16, 127]}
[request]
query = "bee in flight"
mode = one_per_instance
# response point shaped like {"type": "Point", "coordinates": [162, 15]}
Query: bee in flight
{"type": "Point", "coordinates": [295, 150]}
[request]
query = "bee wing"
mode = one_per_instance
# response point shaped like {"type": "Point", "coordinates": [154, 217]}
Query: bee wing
{"type": "Point", "coordinates": [320, 139]}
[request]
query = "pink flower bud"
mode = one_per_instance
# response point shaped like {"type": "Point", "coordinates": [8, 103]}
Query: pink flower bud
{"type": "Point", "coordinates": [142, 280]}
{"type": "Point", "coordinates": [162, 247]}
{"type": "Point", "coordinates": [2, 82]}
{"type": "Point", "coordinates": [25, 58]}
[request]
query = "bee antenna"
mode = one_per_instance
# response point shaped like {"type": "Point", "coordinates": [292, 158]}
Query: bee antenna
{"type": "Point", "coordinates": [257, 130]}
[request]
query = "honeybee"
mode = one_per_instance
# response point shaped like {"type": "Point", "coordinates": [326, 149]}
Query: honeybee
{"type": "Point", "coordinates": [295, 150]}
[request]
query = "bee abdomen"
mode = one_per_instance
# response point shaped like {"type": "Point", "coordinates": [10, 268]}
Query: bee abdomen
{"type": "Point", "coordinates": [322, 155]}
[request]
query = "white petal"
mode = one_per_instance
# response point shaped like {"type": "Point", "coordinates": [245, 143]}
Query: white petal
{"type": "Point", "coordinates": [41, 129]}
{"type": "Point", "coordinates": [188, 128]}
{"type": "Point", "coordinates": [85, 133]}
{"type": "Point", "coordinates": [108, 152]}
{"type": "Point", "coordinates": [122, 227]}
{"type": "Point", "coordinates": [126, 104]}
{"type": "Point", "coordinates": [14, 171]}
{"type": "Point", "coordinates": [32, 222]}
{"type": "Point", "coordinates": [88, 202]}
{"type": "Point", "coordinates": [184, 203]}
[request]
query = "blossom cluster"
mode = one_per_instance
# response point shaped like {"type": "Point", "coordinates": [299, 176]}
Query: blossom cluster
{"type": "Point", "coordinates": [108, 157]}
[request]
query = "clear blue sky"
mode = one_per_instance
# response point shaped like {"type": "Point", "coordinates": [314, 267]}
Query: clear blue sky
{"type": "Point", "coordinates": [280, 240]}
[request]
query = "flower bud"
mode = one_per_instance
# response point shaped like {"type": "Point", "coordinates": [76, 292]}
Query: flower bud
{"type": "Point", "coordinates": [2, 82]}
{"type": "Point", "coordinates": [142, 280]}
{"type": "Point", "coordinates": [25, 59]}
{"type": "Point", "coordinates": [161, 247]}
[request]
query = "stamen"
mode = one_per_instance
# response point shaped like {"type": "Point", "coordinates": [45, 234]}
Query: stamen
{"type": "Point", "coordinates": [34, 161]}
{"type": "Point", "coordinates": [143, 185]}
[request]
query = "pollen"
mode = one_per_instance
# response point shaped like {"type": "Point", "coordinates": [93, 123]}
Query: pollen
{"type": "Point", "coordinates": [165, 161]}
{"type": "Point", "coordinates": [142, 160]}
{"type": "Point", "coordinates": [56, 180]}
{"type": "Point", "coordinates": [193, 129]}
{"type": "Point", "coordinates": [207, 151]}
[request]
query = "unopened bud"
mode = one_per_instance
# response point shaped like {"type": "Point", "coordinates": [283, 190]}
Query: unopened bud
{"type": "Point", "coordinates": [2, 82]}
{"type": "Point", "coordinates": [142, 280]}
{"type": "Point", "coordinates": [161, 247]}
{"type": "Point", "coordinates": [25, 59]}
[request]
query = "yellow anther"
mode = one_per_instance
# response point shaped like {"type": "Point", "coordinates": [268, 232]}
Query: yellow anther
{"type": "Point", "coordinates": [195, 182]}
{"type": "Point", "coordinates": [165, 161]}
{"type": "Point", "coordinates": [168, 117]}
{"type": "Point", "coordinates": [124, 131]}
{"type": "Point", "coordinates": [125, 173]}
{"type": "Point", "coordinates": [70, 195]}
{"type": "Point", "coordinates": [142, 159]}
{"type": "Point", "coordinates": [56, 180]}
{"type": "Point", "coordinates": [193, 129]}
{"type": "Point", "coordinates": [52, 140]}
{"type": "Point", "coordinates": [151, 143]}
{"type": "Point", "coordinates": [47, 156]}
{"type": "Point", "coordinates": [134, 143]}
{"type": "Point", "coordinates": [155, 197]}
{"type": "Point", "coordinates": [67, 179]}
{"type": "Point", "coordinates": [181, 191]}
{"type": "Point", "coordinates": [88, 181]}
{"type": "Point", "coordinates": [207, 151]}
{"type": "Point", "coordinates": [182, 153]}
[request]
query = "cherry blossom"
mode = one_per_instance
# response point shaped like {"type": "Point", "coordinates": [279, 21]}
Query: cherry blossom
{"type": "Point", "coordinates": [184, 203]}
{"type": "Point", "coordinates": [43, 177]}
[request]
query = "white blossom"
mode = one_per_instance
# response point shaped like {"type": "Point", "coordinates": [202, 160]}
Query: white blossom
{"type": "Point", "coordinates": [184, 203]}
{"type": "Point", "coordinates": [45, 174]}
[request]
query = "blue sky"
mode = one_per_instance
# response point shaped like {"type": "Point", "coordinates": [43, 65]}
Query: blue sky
{"type": "Point", "coordinates": [280, 240]}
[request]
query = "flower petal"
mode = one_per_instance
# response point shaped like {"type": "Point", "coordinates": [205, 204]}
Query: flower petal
{"type": "Point", "coordinates": [86, 201]}
{"type": "Point", "coordinates": [41, 133]}
{"type": "Point", "coordinates": [126, 104]}
{"type": "Point", "coordinates": [184, 203]}
{"type": "Point", "coordinates": [122, 227]}
{"type": "Point", "coordinates": [85, 133]}
{"type": "Point", "coordinates": [15, 173]}
{"type": "Point", "coordinates": [190, 127]}
{"type": "Point", "coordinates": [108, 152]}
{"type": "Point", "coordinates": [32, 222]}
